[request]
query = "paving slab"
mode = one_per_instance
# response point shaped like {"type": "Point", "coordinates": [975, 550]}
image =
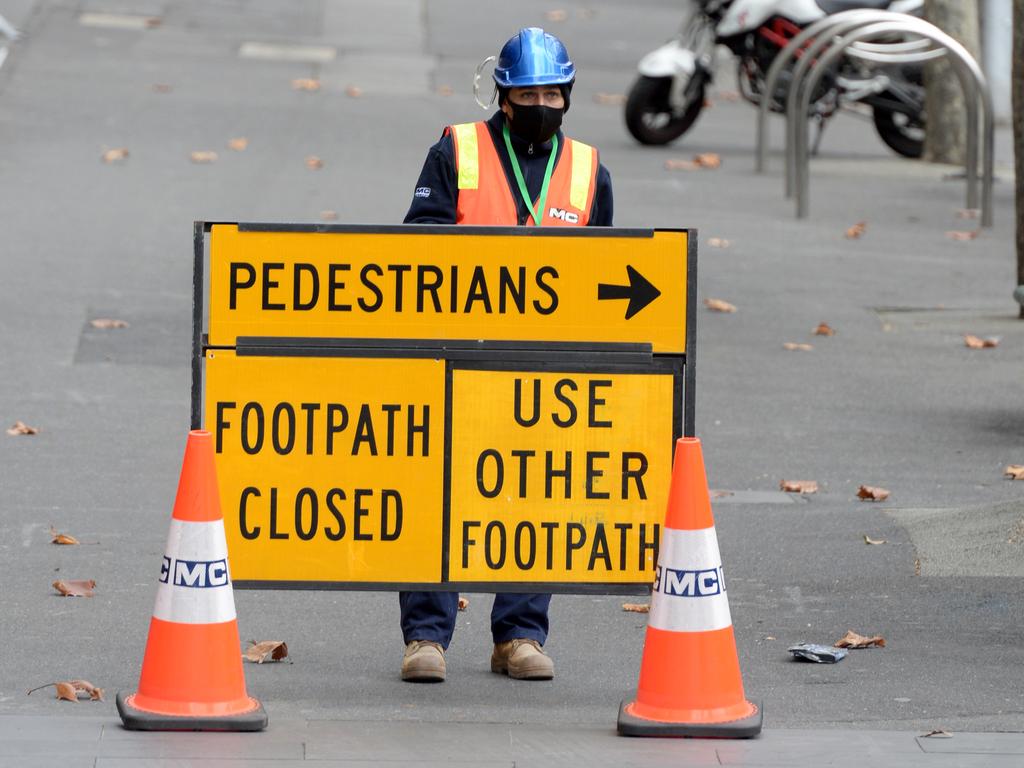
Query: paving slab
{"type": "Point", "coordinates": [398, 741]}
{"type": "Point", "coordinates": [360, 744]}
{"type": "Point", "coordinates": [975, 743]}
{"type": "Point", "coordinates": [40, 761]}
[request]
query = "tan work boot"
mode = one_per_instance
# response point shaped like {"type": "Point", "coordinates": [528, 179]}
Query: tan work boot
{"type": "Point", "coordinates": [423, 662]}
{"type": "Point", "coordinates": [522, 659]}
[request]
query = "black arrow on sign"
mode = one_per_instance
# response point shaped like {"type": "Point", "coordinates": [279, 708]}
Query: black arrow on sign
{"type": "Point", "coordinates": [640, 292]}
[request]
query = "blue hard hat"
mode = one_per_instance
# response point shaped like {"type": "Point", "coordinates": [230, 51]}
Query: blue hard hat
{"type": "Point", "coordinates": [533, 57]}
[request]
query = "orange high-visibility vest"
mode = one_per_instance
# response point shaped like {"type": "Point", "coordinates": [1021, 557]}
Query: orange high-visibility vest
{"type": "Point", "coordinates": [486, 198]}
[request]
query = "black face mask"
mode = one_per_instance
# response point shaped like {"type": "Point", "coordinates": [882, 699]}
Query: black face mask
{"type": "Point", "coordinates": [535, 123]}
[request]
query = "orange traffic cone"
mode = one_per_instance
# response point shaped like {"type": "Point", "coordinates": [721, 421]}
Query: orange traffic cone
{"type": "Point", "coordinates": [192, 672]}
{"type": "Point", "coordinates": [690, 682]}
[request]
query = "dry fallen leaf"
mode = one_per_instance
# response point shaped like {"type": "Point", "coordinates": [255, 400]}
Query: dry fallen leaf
{"type": "Point", "coordinates": [305, 84]}
{"type": "Point", "coordinates": [673, 164]}
{"type": "Point", "coordinates": [314, 163]}
{"type": "Point", "coordinates": [153, 21]}
{"type": "Point", "coordinates": [718, 242]}
{"type": "Point", "coordinates": [869, 540]}
{"type": "Point", "coordinates": [161, 88]}
{"type": "Point", "coordinates": [272, 650]}
{"type": "Point", "coordinates": [463, 603]}
{"type": "Point", "coordinates": [610, 99]}
{"type": "Point", "coordinates": [794, 346]}
{"type": "Point", "coordinates": [115, 155]}
{"type": "Point", "coordinates": [21, 428]}
{"type": "Point", "coordinates": [917, 566]}
{"type": "Point", "coordinates": [852, 640]}
{"type": "Point", "coordinates": [354, 91]}
{"type": "Point", "coordinates": [824, 329]}
{"type": "Point", "coordinates": [798, 486]}
{"type": "Point", "coordinates": [329, 215]}
{"type": "Point", "coordinates": [636, 607]}
{"type": "Point", "coordinates": [719, 494]}
{"type": "Point", "coordinates": [708, 160]}
{"type": "Point", "coordinates": [106, 323]}
{"type": "Point", "coordinates": [61, 538]}
{"type": "Point", "coordinates": [75, 587]}
{"type": "Point", "coordinates": [870, 493]}
{"type": "Point", "coordinates": [975, 342]}
{"type": "Point", "coordinates": [1014, 471]}
{"type": "Point", "coordinates": [68, 690]}
{"type": "Point", "coordinates": [959, 234]}
{"type": "Point", "coordinates": [84, 686]}
{"type": "Point", "coordinates": [938, 733]}
{"type": "Point", "coordinates": [203, 156]}
{"type": "Point", "coordinates": [558, 15]}
{"type": "Point", "coordinates": [717, 305]}
{"type": "Point", "coordinates": [856, 230]}
{"type": "Point", "coordinates": [238, 144]}
{"type": "Point", "coordinates": [445, 90]}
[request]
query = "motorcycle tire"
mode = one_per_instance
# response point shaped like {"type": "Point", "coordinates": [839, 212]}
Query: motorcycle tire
{"type": "Point", "coordinates": [648, 116]}
{"type": "Point", "coordinates": [902, 134]}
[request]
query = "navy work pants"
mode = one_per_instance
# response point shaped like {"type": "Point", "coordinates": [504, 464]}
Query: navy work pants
{"type": "Point", "coordinates": [431, 616]}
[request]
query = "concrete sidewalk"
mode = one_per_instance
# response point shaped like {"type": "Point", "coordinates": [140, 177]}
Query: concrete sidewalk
{"type": "Point", "coordinates": [90, 742]}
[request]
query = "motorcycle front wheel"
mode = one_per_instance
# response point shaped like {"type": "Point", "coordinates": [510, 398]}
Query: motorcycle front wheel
{"type": "Point", "coordinates": [900, 132]}
{"type": "Point", "coordinates": [649, 117]}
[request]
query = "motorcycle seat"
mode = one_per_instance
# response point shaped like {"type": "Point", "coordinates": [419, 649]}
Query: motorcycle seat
{"type": "Point", "coordinates": [837, 6]}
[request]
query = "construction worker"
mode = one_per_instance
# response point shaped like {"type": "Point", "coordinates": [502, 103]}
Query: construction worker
{"type": "Point", "coordinates": [516, 168]}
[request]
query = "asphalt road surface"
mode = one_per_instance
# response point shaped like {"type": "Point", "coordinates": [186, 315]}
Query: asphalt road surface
{"type": "Point", "coordinates": [894, 399]}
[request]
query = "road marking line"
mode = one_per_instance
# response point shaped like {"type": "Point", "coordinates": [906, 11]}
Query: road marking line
{"type": "Point", "coordinates": [116, 21]}
{"type": "Point", "coordinates": [314, 54]}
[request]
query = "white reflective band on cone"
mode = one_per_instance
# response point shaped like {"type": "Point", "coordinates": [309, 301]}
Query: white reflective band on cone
{"type": "Point", "coordinates": [689, 593]}
{"type": "Point", "coordinates": [195, 585]}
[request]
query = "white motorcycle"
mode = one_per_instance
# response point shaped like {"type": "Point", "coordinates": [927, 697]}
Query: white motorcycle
{"type": "Point", "coordinates": [667, 97]}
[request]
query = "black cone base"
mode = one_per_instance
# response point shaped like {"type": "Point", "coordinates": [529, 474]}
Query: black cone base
{"type": "Point", "coordinates": [141, 720]}
{"type": "Point", "coordinates": [748, 727]}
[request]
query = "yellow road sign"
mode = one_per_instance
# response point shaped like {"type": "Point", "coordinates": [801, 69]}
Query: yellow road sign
{"type": "Point", "coordinates": [337, 471]}
{"type": "Point", "coordinates": [449, 283]}
{"type": "Point", "coordinates": [443, 407]}
{"type": "Point", "coordinates": [330, 470]}
{"type": "Point", "coordinates": [563, 477]}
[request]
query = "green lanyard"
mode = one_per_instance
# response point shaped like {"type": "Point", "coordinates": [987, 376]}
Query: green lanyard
{"type": "Point", "coordinates": [539, 211]}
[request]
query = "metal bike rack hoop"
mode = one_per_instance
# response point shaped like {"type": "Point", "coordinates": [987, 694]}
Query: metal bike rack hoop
{"type": "Point", "coordinates": [967, 70]}
{"type": "Point", "coordinates": [783, 58]}
{"type": "Point", "coordinates": [807, 60]}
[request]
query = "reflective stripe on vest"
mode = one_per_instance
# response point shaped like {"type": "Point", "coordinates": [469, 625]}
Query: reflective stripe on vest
{"type": "Point", "coordinates": [485, 196]}
{"type": "Point", "coordinates": [469, 156]}
{"type": "Point", "coordinates": [579, 187]}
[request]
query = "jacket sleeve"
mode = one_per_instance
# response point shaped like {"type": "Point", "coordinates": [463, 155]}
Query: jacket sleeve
{"type": "Point", "coordinates": [602, 209]}
{"type": "Point", "coordinates": [436, 194]}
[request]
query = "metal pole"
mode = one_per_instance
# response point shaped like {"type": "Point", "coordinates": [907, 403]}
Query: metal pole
{"type": "Point", "coordinates": [965, 66]}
